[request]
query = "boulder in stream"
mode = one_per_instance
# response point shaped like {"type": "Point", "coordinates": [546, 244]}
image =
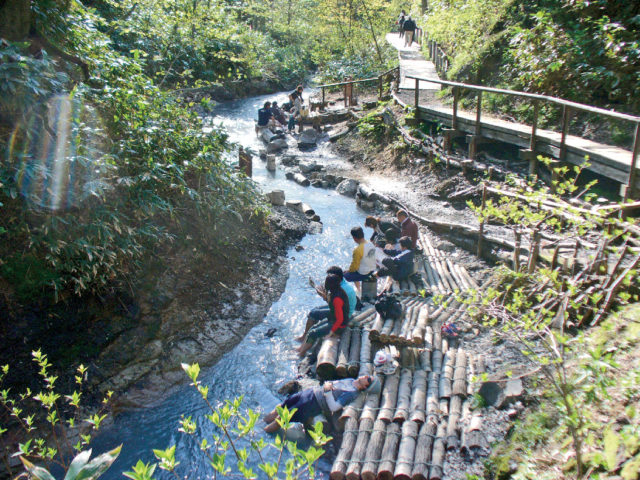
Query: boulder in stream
{"type": "Point", "coordinates": [308, 139]}
{"type": "Point", "coordinates": [348, 187]}
{"type": "Point", "coordinates": [276, 197]}
{"type": "Point", "coordinates": [276, 145]}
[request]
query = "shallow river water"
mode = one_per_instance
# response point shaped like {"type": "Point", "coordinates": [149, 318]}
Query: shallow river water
{"type": "Point", "coordinates": [258, 365]}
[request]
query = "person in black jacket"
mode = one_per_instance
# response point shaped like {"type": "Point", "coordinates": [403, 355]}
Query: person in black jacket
{"type": "Point", "coordinates": [409, 27]}
{"type": "Point", "coordinates": [380, 226]}
{"type": "Point", "coordinates": [264, 115]}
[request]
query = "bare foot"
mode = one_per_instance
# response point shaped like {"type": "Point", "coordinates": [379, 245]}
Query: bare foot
{"type": "Point", "coordinates": [300, 338]}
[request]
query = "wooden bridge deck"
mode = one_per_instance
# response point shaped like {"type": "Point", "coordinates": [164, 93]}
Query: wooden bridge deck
{"type": "Point", "coordinates": [606, 160]}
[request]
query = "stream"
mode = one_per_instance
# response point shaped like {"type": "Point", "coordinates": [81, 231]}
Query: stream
{"type": "Point", "coordinates": [258, 365]}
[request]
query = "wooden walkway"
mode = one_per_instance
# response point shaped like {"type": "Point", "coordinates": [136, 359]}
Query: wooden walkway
{"type": "Point", "coordinates": [424, 407]}
{"type": "Point", "coordinates": [413, 64]}
{"type": "Point", "coordinates": [606, 160]}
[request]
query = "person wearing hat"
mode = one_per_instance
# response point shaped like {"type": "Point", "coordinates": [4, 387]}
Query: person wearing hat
{"type": "Point", "coordinates": [330, 398]}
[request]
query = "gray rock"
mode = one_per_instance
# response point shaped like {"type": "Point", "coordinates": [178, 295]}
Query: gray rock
{"type": "Point", "coordinates": [289, 160]}
{"type": "Point", "coordinates": [325, 184]}
{"type": "Point", "coordinates": [490, 392]}
{"type": "Point", "coordinates": [308, 167]}
{"type": "Point", "coordinates": [317, 183]}
{"type": "Point", "coordinates": [348, 187]}
{"type": "Point", "coordinates": [301, 179]}
{"type": "Point", "coordinates": [277, 145]}
{"type": "Point", "coordinates": [512, 392]}
{"type": "Point", "coordinates": [295, 205]}
{"type": "Point", "coordinates": [315, 228]}
{"type": "Point", "coordinates": [276, 197]}
{"type": "Point", "coordinates": [271, 163]}
{"type": "Point", "coordinates": [308, 138]}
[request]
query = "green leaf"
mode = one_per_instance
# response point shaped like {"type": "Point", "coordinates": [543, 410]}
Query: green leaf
{"type": "Point", "coordinates": [611, 446]}
{"type": "Point", "coordinates": [36, 472]}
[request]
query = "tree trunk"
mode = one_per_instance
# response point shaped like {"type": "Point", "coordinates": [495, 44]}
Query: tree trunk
{"type": "Point", "coordinates": [15, 19]}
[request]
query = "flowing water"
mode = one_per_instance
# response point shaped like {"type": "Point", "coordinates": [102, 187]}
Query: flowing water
{"type": "Point", "coordinates": [258, 365]}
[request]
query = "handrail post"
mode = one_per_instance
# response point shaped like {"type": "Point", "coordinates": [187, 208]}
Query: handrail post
{"type": "Point", "coordinates": [478, 127]}
{"type": "Point", "coordinates": [631, 184]}
{"type": "Point", "coordinates": [380, 88]}
{"type": "Point", "coordinates": [417, 95]}
{"type": "Point", "coordinates": [323, 98]}
{"type": "Point", "coordinates": [565, 128]}
{"type": "Point", "coordinates": [534, 127]}
{"type": "Point", "coordinates": [454, 120]}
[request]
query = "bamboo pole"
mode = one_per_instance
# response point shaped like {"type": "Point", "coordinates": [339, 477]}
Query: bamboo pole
{"type": "Point", "coordinates": [374, 450]}
{"type": "Point", "coordinates": [432, 395]}
{"type": "Point", "coordinates": [353, 361]}
{"type": "Point", "coordinates": [455, 410]}
{"type": "Point", "coordinates": [339, 467]}
{"type": "Point", "coordinates": [460, 374]}
{"type": "Point", "coordinates": [343, 352]}
{"type": "Point", "coordinates": [370, 409]}
{"type": "Point", "coordinates": [418, 396]}
{"type": "Point", "coordinates": [352, 410]}
{"type": "Point", "coordinates": [471, 374]}
{"type": "Point", "coordinates": [360, 449]}
{"type": "Point", "coordinates": [406, 451]}
{"type": "Point", "coordinates": [366, 367]}
{"type": "Point", "coordinates": [388, 458]}
{"type": "Point", "coordinates": [389, 397]}
{"type": "Point", "coordinates": [422, 457]}
{"type": "Point", "coordinates": [437, 457]}
{"type": "Point", "coordinates": [418, 333]}
{"type": "Point", "coordinates": [447, 374]}
{"type": "Point", "coordinates": [425, 360]}
{"type": "Point", "coordinates": [378, 323]}
{"type": "Point", "coordinates": [327, 358]}
{"type": "Point", "coordinates": [404, 396]}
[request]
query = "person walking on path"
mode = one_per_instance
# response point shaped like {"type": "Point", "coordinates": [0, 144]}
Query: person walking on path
{"type": "Point", "coordinates": [409, 27]}
{"type": "Point", "coordinates": [337, 319]}
{"type": "Point", "coordinates": [400, 22]}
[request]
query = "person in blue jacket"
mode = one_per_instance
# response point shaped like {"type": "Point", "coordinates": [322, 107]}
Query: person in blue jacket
{"type": "Point", "coordinates": [264, 115]}
{"type": "Point", "coordinates": [399, 265]}
{"type": "Point", "coordinates": [329, 398]}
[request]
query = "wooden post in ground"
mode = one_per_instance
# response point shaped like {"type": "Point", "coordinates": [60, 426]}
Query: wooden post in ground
{"type": "Point", "coordinates": [380, 88]}
{"type": "Point", "coordinates": [481, 228]}
{"type": "Point", "coordinates": [473, 143]}
{"type": "Point", "coordinates": [533, 159]}
{"type": "Point", "coordinates": [629, 191]}
{"type": "Point", "coordinates": [323, 102]}
{"type": "Point", "coordinates": [565, 129]}
{"type": "Point", "coordinates": [417, 95]}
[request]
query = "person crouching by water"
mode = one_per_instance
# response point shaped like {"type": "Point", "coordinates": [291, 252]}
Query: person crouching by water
{"type": "Point", "coordinates": [264, 115]}
{"type": "Point", "coordinates": [278, 115]}
{"type": "Point", "coordinates": [337, 319]}
{"type": "Point", "coordinates": [330, 398]}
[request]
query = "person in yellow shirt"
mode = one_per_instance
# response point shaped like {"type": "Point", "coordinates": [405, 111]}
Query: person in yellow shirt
{"type": "Point", "coordinates": [363, 262]}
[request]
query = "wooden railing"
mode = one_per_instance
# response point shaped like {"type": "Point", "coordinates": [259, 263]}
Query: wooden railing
{"type": "Point", "coordinates": [438, 56]}
{"type": "Point", "coordinates": [567, 108]}
{"type": "Point", "coordinates": [389, 75]}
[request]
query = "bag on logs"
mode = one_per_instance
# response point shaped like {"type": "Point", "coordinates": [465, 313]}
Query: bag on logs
{"type": "Point", "coordinates": [388, 458]}
{"type": "Point", "coordinates": [327, 358]}
{"type": "Point", "coordinates": [422, 457]}
{"type": "Point", "coordinates": [406, 451]}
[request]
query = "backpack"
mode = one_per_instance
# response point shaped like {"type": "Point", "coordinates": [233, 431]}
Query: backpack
{"type": "Point", "coordinates": [388, 306]}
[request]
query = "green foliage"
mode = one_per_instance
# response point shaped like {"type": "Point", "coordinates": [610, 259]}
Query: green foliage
{"type": "Point", "coordinates": [236, 425]}
{"type": "Point", "coordinates": [539, 309]}
{"type": "Point", "coordinates": [43, 424]}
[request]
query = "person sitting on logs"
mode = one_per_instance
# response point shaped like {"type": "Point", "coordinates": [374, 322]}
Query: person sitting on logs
{"type": "Point", "coordinates": [363, 261]}
{"type": "Point", "coordinates": [399, 266]}
{"type": "Point", "coordinates": [408, 227]}
{"type": "Point", "coordinates": [321, 313]}
{"type": "Point", "coordinates": [327, 399]}
{"type": "Point", "coordinates": [380, 226]}
{"type": "Point", "coordinates": [337, 319]}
